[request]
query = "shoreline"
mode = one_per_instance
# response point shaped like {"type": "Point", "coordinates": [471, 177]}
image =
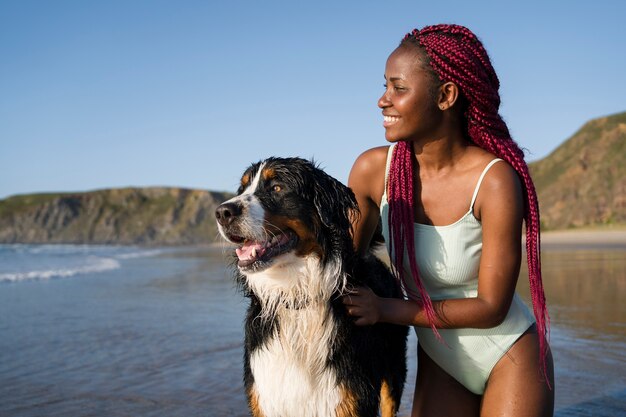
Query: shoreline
{"type": "Point", "coordinates": [568, 238]}
{"type": "Point", "coordinates": [584, 238]}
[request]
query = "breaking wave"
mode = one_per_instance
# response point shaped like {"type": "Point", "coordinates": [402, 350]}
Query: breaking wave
{"type": "Point", "coordinates": [24, 262]}
{"type": "Point", "coordinates": [94, 265]}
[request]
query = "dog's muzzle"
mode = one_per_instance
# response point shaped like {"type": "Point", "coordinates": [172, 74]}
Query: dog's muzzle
{"type": "Point", "coordinates": [255, 251]}
{"type": "Point", "coordinates": [226, 213]}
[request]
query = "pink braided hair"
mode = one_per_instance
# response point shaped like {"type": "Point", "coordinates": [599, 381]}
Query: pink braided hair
{"type": "Point", "coordinates": [457, 55]}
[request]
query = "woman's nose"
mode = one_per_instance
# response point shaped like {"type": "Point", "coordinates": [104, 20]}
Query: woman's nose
{"type": "Point", "coordinates": [383, 101]}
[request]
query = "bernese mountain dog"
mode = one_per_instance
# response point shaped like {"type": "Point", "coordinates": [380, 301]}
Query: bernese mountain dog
{"type": "Point", "coordinates": [303, 355]}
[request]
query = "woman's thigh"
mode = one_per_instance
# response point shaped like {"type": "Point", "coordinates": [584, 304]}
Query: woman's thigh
{"type": "Point", "coordinates": [438, 394]}
{"type": "Point", "coordinates": [516, 387]}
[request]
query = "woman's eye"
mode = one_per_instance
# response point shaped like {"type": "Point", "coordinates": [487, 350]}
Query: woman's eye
{"type": "Point", "coordinates": [277, 188]}
{"type": "Point", "coordinates": [394, 87]}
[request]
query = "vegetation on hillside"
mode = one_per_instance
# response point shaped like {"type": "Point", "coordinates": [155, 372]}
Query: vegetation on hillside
{"type": "Point", "coordinates": [583, 182]}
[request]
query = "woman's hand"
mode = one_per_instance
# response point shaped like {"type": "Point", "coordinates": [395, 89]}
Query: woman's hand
{"type": "Point", "coordinates": [364, 305]}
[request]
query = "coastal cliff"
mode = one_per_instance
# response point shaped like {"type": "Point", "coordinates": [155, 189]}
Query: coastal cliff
{"type": "Point", "coordinates": [144, 216]}
{"type": "Point", "coordinates": [583, 182]}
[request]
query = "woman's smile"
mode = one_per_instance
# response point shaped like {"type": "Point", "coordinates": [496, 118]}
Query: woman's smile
{"type": "Point", "coordinates": [389, 120]}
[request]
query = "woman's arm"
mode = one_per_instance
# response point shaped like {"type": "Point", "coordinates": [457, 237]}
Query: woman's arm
{"type": "Point", "coordinates": [499, 206]}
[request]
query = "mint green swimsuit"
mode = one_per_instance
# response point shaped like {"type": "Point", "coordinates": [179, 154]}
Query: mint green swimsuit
{"type": "Point", "coordinates": [448, 258]}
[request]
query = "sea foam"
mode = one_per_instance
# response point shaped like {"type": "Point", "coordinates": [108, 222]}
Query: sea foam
{"type": "Point", "coordinates": [93, 265]}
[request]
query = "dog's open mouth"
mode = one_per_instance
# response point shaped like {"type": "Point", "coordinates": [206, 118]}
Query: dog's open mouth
{"type": "Point", "coordinates": [256, 255]}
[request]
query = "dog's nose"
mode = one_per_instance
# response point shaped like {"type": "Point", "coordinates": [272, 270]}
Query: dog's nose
{"type": "Point", "coordinates": [227, 212]}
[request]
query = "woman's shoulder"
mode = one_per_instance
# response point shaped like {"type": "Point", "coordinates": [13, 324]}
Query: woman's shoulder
{"type": "Point", "coordinates": [500, 180]}
{"type": "Point", "coordinates": [479, 160]}
{"type": "Point", "coordinates": [367, 176]}
{"type": "Point", "coordinates": [372, 159]}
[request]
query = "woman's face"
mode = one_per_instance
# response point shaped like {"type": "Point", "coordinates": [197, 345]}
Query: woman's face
{"type": "Point", "coordinates": [409, 105]}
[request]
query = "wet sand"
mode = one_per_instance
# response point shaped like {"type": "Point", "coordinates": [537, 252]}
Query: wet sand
{"type": "Point", "coordinates": [584, 277]}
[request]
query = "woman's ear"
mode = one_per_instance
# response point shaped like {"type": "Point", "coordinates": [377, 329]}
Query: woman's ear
{"type": "Point", "coordinates": [448, 95]}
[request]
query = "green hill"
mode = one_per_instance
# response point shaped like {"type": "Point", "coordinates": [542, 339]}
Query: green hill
{"type": "Point", "coordinates": [583, 182]}
{"type": "Point", "coordinates": [146, 216]}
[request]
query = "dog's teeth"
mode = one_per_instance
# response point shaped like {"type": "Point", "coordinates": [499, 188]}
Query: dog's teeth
{"type": "Point", "coordinates": [253, 253]}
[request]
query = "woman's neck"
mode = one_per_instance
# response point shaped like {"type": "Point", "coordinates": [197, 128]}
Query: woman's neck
{"type": "Point", "coordinates": [440, 154]}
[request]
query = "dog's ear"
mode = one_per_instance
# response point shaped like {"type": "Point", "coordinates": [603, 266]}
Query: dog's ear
{"type": "Point", "coordinates": [335, 203]}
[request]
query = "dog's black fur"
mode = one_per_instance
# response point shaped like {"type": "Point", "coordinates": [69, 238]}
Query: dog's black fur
{"type": "Point", "coordinates": [312, 213]}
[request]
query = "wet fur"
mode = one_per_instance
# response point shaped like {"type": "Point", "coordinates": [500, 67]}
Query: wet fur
{"type": "Point", "coordinates": [303, 354]}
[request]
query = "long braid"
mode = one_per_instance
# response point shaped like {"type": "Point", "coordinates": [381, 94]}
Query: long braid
{"type": "Point", "coordinates": [457, 55]}
{"type": "Point", "coordinates": [401, 224]}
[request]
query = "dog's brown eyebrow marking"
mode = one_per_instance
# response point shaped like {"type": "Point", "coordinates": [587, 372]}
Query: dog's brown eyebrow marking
{"type": "Point", "coordinates": [245, 180]}
{"type": "Point", "coordinates": [268, 174]}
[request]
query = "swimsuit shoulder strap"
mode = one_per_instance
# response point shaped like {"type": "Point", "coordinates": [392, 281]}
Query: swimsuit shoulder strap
{"type": "Point", "coordinates": [387, 165]}
{"type": "Point", "coordinates": [480, 180]}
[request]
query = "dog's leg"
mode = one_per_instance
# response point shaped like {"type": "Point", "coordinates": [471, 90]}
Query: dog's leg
{"type": "Point", "coordinates": [253, 402]}
{"type": "Point", "coordinates": [348, 405]}
{"type": "Point", "coordinates": [388, 403]}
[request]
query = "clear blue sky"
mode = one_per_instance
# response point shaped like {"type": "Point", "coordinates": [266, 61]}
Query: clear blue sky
{"type": "Point", "coordinates": [99, 94]}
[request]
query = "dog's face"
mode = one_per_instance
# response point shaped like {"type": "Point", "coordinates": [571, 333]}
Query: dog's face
{"type": "Point", "coordinates": [286, 208]}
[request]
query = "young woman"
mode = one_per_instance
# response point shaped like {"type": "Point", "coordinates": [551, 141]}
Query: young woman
{"type": "Point", "coordinates": [451, 192]}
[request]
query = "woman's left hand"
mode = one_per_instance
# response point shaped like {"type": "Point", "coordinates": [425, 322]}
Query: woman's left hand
{"type": "Point", "coordinates": [364, 305]}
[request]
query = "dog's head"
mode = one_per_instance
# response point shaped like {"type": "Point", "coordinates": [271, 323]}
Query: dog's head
{"type": "Point", "coordinates": [287, 208]}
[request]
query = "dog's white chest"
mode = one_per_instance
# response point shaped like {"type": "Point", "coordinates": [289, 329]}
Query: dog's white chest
{"type": "Point", "coordinates": [290, 375]}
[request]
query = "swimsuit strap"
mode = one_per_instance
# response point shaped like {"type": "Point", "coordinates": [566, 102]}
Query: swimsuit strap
{"type": "Point", "coordinates": [387, 166]}
{"type": "Point", "coordinates": [480, 180]}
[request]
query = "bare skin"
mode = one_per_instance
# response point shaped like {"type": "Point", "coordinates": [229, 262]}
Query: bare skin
{"type": "Point", "coordinates": [449, 167]}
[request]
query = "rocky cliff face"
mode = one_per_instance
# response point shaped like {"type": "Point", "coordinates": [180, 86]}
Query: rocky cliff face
{"type": "Point", "coordinates": [146, 216]}
{"type": "Point", "coordinates": [583, 182]}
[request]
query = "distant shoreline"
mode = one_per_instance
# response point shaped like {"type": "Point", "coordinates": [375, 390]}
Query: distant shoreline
{"type": "Point", "coordinates": [553, 239]}
{"type": "Point", "coordinates": [584, 238]}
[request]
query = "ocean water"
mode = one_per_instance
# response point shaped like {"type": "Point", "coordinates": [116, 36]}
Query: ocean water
{"type": "Point", "coordinates": [129, 331]}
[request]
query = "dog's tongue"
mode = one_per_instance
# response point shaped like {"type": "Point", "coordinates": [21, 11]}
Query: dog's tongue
{"type": "Point", "coordinates": [250, 250]}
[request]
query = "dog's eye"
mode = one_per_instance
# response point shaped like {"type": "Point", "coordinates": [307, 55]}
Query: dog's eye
{"type": "Point", "coordinates": [277, 188]}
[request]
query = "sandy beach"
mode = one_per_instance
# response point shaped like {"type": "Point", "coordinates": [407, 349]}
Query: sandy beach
{"type": "Point", "coordinates": [585, 238]}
